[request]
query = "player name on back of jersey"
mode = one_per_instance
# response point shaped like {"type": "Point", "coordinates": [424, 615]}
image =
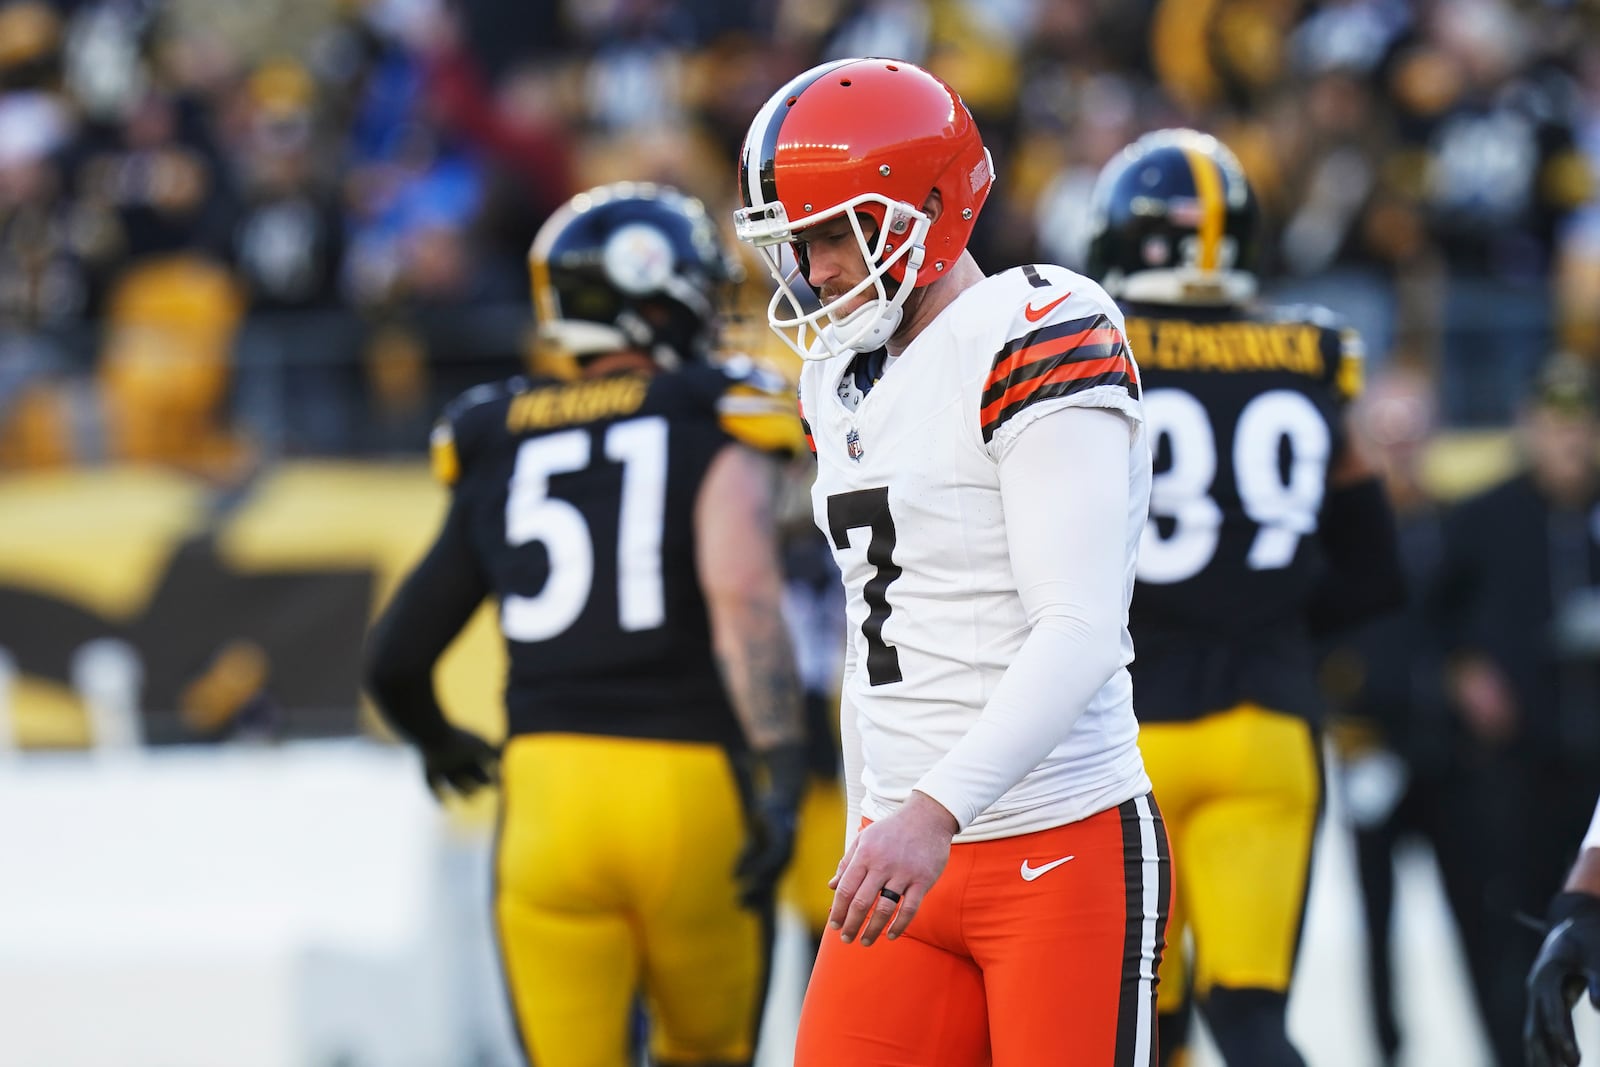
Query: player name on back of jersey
{"type": "Point", "coordinates": [1227, 347]}
{"type": "Point", "coordinates": [570, 403]}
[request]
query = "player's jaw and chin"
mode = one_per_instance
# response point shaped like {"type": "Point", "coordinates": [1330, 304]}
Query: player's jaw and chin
{"type": "Point", "coordinates": [860, 318]}
{"type": "Point", "coordinates": [864, 306]}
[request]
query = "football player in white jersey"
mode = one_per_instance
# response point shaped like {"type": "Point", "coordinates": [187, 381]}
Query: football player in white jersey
{"type": "Point", "coordinates": [983, 476]}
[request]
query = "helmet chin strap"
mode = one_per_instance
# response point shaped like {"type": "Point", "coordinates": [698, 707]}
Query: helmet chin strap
{"type": "Point", "coordinates": [870, 326]}
{"type": "Point", "coordinates": [865, 329]}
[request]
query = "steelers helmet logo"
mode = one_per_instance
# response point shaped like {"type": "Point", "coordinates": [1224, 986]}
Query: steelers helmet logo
{"type": "Point", "coordinates": [638, 259]}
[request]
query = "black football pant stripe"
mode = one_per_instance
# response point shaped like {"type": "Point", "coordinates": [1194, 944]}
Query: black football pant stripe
{"type": "Point", "coordinates": [1147, 873]}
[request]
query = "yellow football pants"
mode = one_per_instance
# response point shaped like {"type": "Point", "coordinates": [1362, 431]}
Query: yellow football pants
{"type": "Point", "coordinates": [1240, 790]}
{"type": "Point", "coordinates": [614, 879]}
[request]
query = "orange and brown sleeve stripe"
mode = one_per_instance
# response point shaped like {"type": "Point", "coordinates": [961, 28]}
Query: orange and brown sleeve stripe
{"type": "Point", "coordinates": [1055, 360]}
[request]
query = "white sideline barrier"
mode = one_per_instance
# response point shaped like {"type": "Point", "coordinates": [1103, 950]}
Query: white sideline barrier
{"type": "Point", "coordinates": [303, 906]}
{"type": "Point", "coordinates": [254, 907]}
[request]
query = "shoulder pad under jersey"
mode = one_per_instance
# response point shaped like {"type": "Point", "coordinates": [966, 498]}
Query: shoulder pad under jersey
{"type": "Point", "coordinates": [756, 406]}
{"type": "Point", "coordinates": [464, 424]}
{"type": "Point", "coordinates": [1344, 353]}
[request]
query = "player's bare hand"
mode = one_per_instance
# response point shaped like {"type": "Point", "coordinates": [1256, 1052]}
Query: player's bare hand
{"type": "Point", "coordinates": [889, 868]}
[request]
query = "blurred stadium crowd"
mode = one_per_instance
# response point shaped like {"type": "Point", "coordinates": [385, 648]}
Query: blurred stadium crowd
{"type": "Point", "coordinates": [234, 235]}
{"type": "Point", "coordinates": [235, 232]}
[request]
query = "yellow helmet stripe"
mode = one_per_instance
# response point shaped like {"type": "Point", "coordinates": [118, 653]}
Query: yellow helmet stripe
{"type": "Point", "coordinates": [1208, 187]}
{"type": "Point", "coordinates": [544, 302]}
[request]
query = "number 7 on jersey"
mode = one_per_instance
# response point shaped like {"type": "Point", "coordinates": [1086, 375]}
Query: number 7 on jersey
{"type": "Point", "coordinates": [869, 508]}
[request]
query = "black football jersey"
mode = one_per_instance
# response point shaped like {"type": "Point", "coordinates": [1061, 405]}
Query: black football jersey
{"type": "Point", "coordinates": [1245, 414]}
{"type": "Point", "coordinates": [580, 500]}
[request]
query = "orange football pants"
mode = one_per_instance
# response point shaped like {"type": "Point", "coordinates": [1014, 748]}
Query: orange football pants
{"type": "Point", "coordinates": [1008, 970]}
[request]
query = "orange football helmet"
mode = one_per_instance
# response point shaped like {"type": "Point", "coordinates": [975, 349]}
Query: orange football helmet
{"type": "Point", "coordinates": [860, 138]}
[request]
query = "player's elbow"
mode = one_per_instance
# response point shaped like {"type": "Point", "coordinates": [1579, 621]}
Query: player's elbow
{"type": "Point", "coordinates": [1093, 645]}
{"type": "Point", "coordinates": [385, 671]}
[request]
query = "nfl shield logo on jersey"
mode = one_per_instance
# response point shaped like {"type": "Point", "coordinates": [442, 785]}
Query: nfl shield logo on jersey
{"type": "Point", "coordinates": [852, 445]}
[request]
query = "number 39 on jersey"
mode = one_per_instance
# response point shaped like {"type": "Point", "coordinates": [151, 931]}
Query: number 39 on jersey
{"type": "Point", "coordinates": [1245, 420]}
{"type": "Point", "coordinates": [1278, 463]}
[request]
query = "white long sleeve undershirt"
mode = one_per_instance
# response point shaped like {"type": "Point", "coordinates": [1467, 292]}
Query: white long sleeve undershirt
{"type": "Point", "coordinates": [1064, 490]}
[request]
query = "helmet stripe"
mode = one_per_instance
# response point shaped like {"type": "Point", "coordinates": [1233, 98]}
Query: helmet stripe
{"type": "Point", "coordinates": [761, 143]}
{"type": "Point", "coordinates": [1208, 187]}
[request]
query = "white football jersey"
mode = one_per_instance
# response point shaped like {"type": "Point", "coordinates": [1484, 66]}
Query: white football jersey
{"type": "Point", "coordinates": [908, 493]}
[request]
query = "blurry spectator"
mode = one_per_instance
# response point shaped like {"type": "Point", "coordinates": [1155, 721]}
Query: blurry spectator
{"type": "Point", "coordinates": [156, 180]}
{"type": "Point", "coordinates": [1401, 760]}
{"type": "Point", "coordinates": [42, 249]}
{"type": "Point", "coordinates": [411, 193]}
{"type": "Point", "coordinates": [1221, 53]}
{"type": "Point", "coordinates": [288, 240]}
{"type": "Point", "coordinates": [506, 36]}
{"type": "Point", "coordinates": [1494, 117]}
{"type": "Point", "coordinates": [45, 249]}
{"type": "Point", "coordinates": [103, 59]}
{"type": "Point", "coordinates": [1578, 276]}
{"type": "Point", "coordinates": [1422, 167]}
{"type": "Point", "coordinates": [967, 49]}
{"type": "Point", "coordinates": [728, 81]}
{"type": "Point", "coordinates": [297, 384]}
{"type": "Point", "coordinates": [634, 76]}
{"type": "Point", "coordinates": [1345, 234]}
{"type": "Point", "coordinates": [41, 282]}
{"type": "Point", "coordinates": [1103, 121]}
{"type": "Point", "coordinates": [898, 28]}
{"type": "Point", "coordinates": [30, 41]}
{"type": "Point", "coordinates": [395, 368]}
{"type": "Point", "coordinates": [516, 128]}
{"type": "Point", "coordinates": [1521, 592]}
{"type": "Point", "coordinates": [166, 364]}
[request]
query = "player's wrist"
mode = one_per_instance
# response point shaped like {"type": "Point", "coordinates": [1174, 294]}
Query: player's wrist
{"type": "Point", "coordinates": [929, 810]}
{"type": "Point", "coordinates": [783, 766]}
{"type": "Point", "coordinates": [424, 734]}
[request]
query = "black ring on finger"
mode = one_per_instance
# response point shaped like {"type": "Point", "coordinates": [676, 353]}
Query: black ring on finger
{"type": "Point", "coordinates": [890, 894]}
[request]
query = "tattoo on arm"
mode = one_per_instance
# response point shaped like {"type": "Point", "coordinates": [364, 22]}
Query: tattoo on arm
{"type": "Point", "coordinates": [742, 579]}
{"type": "Point", "coordinates": [758, 670]}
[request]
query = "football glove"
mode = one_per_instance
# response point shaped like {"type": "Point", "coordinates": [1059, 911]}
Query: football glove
{"type": "Point", "coordinates": [1567, 964]}
{"type": "Point", "coordinates": [459, 759]}
{"type": "Point", "coordinates": [776, 778]}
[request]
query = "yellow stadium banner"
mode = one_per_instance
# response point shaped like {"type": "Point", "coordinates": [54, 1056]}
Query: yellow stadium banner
{"type": "Point", "coordinates": [238, 614]}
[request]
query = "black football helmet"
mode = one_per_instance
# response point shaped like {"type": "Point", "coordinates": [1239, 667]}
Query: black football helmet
{"type": "Point", "coordinates": [1172, 221]}
{"type": "Point", "coordinates": [630, 265]}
